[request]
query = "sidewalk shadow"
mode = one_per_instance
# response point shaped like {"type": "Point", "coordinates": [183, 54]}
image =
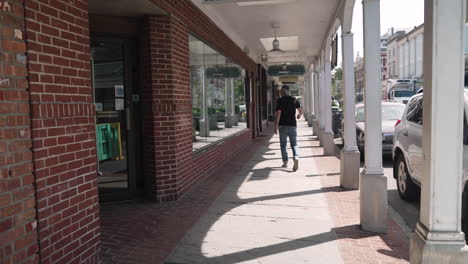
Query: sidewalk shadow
{"type": "Point", "coordinates": [232, 201]}
{"type": "Point", "coordinates": [344, 232]}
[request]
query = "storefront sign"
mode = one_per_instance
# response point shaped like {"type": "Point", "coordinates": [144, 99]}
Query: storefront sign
{"type": "Point", "coordinates": [288, 79]}
{"type": "Point", "coordinates": [218, 72]}
{"type": "Point", "coordinates": [286, 70]}
{"type": "Point", "coordinates": [119, 90]}
{"type": "Point", "coordinates": [119, 104]}
{"type": "Point", "coordinates": [98, 107]}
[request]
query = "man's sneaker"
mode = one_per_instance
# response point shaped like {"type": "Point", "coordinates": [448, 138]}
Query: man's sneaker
{"type": "Point", "coordinates": [296, 165]}
{"type": "Point", "coordinates": [285, 164]}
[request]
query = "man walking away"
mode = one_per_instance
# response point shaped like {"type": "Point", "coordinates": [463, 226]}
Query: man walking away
{"type": "Point", "coordinates": [286, 124]}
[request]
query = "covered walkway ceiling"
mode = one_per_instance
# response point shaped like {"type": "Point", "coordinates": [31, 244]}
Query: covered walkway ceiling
{"type": "Point", "coordinates": [303, 25]}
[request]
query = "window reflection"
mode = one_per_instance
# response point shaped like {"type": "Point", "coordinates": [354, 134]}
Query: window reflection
{"type": "Point", "coordinates": [218, 95]}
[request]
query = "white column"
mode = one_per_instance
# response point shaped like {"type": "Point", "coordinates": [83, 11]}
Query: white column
{"type": "Point", "coordinates": [305, 102]}
{"type": "Point", "coordinates": [311, 92]}
{"type": "Point", "coordinates": [315, 124]}
{"type": "Point", "coordinates": [438, 237]}
{"type": "Point", "coordinates": [327, 136]}
{"type": "Point", "coordinates": [205, 121]}
{"type": "Point", "coordinates": [227, 104]}
{"type": "Point", "coordinates": [321, 121]}
{"type": "Point", "coordinates": [373, 183]}
{"type": "Point", "coordinates": [322, 92]}
{"type": "Point", "coordinates": [350, 156]}
{"type": "Point", "coordinates": [310, 98]}
{"type": "Point", "coordinates": [234, 116]}
{"type": "Point", "coordinates": [308, 105]}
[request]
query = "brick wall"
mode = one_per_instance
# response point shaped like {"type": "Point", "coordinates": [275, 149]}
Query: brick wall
{"type": "Point", "coordinates": [63, 130]}
{"type": "Point", "coordinates": [18, 234]}
{"type": "Point", "coordinates": [169, 162]}
{"type": "Point", "coordinates": [214, 157]}
{"type": "Point", "coordinates": [204, 28]}
{"type": "Point", "coordinates": [167, 101]}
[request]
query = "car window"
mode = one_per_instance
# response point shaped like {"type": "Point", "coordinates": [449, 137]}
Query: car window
{"type": "Point", "coordinates": [392, 112]}
{"type": "Point", "coordinates": [404, 93]}
{"type": "Point", "coordinates": [360, 114]}
{"type": "Point", "coordinates": [418, 118]}
{"type": "Point", "coordinates": [416, 115]}
{"type": "Point", "coordinates": [465, 131]}
{"type": "Point", "coordinates": [412, 108]}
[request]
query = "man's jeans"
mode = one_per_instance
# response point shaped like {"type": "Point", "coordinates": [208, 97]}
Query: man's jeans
{"type": "Point", "coordinates": [284, 132]}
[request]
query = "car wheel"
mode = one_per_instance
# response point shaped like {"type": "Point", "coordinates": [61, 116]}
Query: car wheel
{"type": "Point", "coordinates": [465, 211]}
{"type": "Point", "coordinates": [361, 153]}
{"type": "Point", "coordinates": [407, 189]}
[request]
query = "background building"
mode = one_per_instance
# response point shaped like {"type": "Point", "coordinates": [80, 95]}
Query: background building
{"type": "Point", "coordinates": [410, 55]}
{"type": "Point", "coordinates": [359, 77]}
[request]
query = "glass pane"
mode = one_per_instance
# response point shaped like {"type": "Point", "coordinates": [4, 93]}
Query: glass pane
{"type": "Point", "coordinates": [109, 97]}
{"type": "Point", "coordinates": [218, 95]}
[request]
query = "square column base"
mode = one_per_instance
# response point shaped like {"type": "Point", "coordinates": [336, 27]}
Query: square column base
{"type": "Point", "coordinates": [315, 127]}
{"type": "Point", "coordinates": [423, 250]}
{"type": "Point", "coordinates": [204, 129]}
{"type": "Point", "coordinates": [320, 131]}
{"type": "Point", "coordinates": [235, 120]}
{"type": "Point", "coordinates": [373, 200]}
{"type": "Point", "coordinates": [310, 120]}
{"type": "Point", "coordinates": [328, 144]}
{"type": "Point", "coordinates": [349, 173]}
{"type": "Point", "coordinates": [228, 121]}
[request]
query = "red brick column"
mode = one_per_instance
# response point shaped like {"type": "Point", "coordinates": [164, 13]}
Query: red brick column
{"type": "Point", "coordinates": [18, 234]}
{"type": "Point", "coordinates": [63, 130]}
{"type": "Point", "coordinates": [167, 107]}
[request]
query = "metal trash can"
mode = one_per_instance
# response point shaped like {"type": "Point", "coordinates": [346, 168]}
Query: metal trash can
{"type": "Point", "coordinates": [337, 116]}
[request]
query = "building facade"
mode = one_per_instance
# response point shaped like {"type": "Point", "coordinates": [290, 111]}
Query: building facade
{"type": "Point", "coordinates": [102, 103]}
{"type": "Point", "coordinates": [392, 48]}
{"type": "Point", "coordinates": [410, 54]}
{"type": "Point", "coordinates": [359, 77]}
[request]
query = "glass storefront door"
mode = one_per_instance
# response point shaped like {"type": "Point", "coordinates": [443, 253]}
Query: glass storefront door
{"type": "Point", "coordinates": [115, 99]}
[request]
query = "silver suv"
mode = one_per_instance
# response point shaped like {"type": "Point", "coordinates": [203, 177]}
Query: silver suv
{"type": "Point", "coordinates": [408, 154]}
{"type": "Point", "coordinates": [407, 148]}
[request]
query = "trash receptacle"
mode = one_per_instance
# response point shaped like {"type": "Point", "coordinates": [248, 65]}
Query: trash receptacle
{"type": "Point", "coordinates": [337, 116]}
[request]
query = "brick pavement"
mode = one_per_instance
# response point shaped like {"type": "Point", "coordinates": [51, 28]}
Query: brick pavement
{"type": "Point", "coordinates": [357, 246]}
{"type": "Point", "coordinates": [143, 232]}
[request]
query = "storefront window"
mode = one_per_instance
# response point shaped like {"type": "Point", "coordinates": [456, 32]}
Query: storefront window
{"type": "Point", "coordinates": [218, 95]}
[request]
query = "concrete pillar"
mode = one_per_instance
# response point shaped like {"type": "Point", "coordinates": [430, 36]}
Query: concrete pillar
{"type": "Point", "coordinates": [327, 135]}
{"type": "Point", "coordinates": [438, 237]}
{"type": "Point", "coordinates": [350, 156]}
{"type": "Point", "coordinates": [373, 183]}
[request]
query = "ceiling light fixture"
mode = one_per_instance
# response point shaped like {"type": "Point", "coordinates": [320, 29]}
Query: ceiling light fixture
{"type": "Point", "coordinates": [264, 2]}
{"type": "Point", "coordinates": [276, 43]}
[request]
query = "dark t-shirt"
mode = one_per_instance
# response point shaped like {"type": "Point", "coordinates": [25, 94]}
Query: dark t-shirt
{"type": "Point", "coordinates": [288, 106]}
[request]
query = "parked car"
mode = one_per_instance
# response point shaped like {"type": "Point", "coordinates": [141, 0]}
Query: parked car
{"type": "Point", "coordinates": [391, 112]}
{"type": "Point", "coordinates": [408, 153]}
{"type": "Point", "coordinates": [407, 148]}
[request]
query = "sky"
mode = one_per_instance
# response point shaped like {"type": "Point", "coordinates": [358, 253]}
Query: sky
{"type": "Point", "coordinates": [393, 13]}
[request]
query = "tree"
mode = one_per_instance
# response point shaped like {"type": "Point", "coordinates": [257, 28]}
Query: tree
{"type": "Point", "coordinates": [337, 84]}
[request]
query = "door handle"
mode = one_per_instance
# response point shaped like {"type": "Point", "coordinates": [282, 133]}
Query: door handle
{"type": "Point", "coordinates": [129, 118]}
{"type": "Point", "coordinates": [405, 133]}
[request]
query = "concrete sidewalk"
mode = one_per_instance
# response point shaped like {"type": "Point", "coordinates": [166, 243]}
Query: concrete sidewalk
{"type": "Point", "coordinates": [269, 214]}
